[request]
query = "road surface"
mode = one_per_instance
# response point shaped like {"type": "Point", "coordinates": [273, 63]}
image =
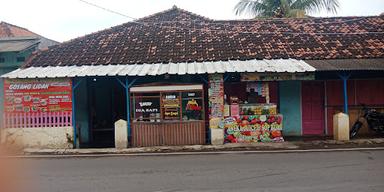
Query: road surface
{"type": "Point", "coordinates": [296, 172]}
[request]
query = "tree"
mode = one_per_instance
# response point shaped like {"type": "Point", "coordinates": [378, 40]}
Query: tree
{"type": "Point", "coordinates": [284, 8]}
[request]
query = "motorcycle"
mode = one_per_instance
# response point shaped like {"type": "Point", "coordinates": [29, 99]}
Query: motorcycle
{"type": "Point", "coordinates": [375, 121]}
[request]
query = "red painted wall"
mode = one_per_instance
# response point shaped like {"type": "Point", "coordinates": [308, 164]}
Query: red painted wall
{"type": "Point", "coordinates": [369, 92]}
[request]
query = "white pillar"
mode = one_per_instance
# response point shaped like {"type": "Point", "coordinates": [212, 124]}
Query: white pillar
{"type": "Point", "coordinates": [217, 136]}
{"type": "Point", "coordinates": [341, 127]}
{"type": "Point", "coordinates": [121, 134]}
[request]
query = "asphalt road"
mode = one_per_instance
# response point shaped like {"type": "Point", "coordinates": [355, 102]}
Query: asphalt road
{"type": "Point", "coordinates": [296, 172]}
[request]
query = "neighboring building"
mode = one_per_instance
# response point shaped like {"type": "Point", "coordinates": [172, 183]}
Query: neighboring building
{"type": "Point", "coordinates": [16, 45]}
{"type": "Point", "coordinates": [174, 76]}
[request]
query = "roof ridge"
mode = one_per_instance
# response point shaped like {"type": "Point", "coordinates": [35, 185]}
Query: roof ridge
{"type": "Point", "coordinates": [137, 21]}
{"type": "Point", "coordinates": [173, 8]}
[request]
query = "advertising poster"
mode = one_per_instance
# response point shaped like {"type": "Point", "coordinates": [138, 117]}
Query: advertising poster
{"type": "Point", "coordinates": [235, 110]}
{"type": "Point", "coordinates": [147, 109]}
{"type": "Point", "coordinates": [216, 99]}
{"type": "Point", "coordinates": [29, 96]}
{"type": "Point", "coordinates": [253, 128]}
{"type": "Point", "coordinates": [171, 106]}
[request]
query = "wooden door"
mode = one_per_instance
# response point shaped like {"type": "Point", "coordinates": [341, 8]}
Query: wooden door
{"type": "Point", "coordinates": [312, 93]}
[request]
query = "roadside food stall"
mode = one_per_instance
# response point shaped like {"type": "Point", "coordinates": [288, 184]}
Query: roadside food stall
{"type": "Point", "coordinates": [251, 107]}
{"type": "Point", "coordinates": [251, 111]}
{"type": "Point", "coordinates": [167, 115]}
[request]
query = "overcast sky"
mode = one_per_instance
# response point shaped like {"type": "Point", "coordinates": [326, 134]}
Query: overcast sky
{"type": "Point", "coordinates": [62, 20]}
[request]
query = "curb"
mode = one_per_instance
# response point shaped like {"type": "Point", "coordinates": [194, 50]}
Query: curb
{"type": "Point", "coordinates": [196, 153]}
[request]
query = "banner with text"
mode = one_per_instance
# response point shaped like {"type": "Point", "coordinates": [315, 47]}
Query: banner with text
{"type": "Point", "coordinates": [32, 95]}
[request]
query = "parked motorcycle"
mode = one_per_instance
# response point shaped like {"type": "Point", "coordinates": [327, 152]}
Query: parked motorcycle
{"type": "Point", "coordinates": [375, 121]}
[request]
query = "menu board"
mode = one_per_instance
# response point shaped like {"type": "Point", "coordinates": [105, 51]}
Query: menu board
{"type": "Point", "coordinates": [171, 106]}
{"type": "Point", "coordinates": [47, 95]}
{"type": "Point", "coordinates": [216, 99]}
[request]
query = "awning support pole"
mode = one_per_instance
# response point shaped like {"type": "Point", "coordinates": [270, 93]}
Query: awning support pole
{"type": "Point", "coordinates": [121, 83]}
{"type": "Point", "coordinates": [126, 86]}
{"type": "Point", "coordinates": [128, 110]}
{"type": "Point", "coordinates": [74, 86]}
{"type": "Point", "coordinates": [202, 78]}
{"type": "Point", "coordinates": [226, 77]}
{"type": "Point", "coordinates": [345, 77]}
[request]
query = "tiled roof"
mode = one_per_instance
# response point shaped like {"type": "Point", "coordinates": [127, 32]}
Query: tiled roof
{"type": "Point", "coordinates": [348, 64]}
{"type": "Point", "coordinates": [8, 30]}
{"type": "Point", "coordinates": [179, 36]}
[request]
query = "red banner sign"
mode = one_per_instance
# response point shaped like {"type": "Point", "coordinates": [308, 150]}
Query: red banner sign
{"type": "Point", "coordinates": [47, 95]}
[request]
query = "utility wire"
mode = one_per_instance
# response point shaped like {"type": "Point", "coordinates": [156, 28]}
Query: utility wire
{"type": "Point", "coordinates": [108, 10]}
{"type": "Point", "coordinates": [229, 25]}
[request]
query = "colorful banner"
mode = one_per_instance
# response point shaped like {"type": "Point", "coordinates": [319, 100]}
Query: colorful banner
{"type": "Point", "coordinates": [216, 99]}
{"type": "Point", "coordinates": [47, 95]}
{"type": "Point", "coordinates": [253, 128]}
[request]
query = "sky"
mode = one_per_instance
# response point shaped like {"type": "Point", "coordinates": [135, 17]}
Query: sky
{"type": "Point", "coordinates": [62, 20]}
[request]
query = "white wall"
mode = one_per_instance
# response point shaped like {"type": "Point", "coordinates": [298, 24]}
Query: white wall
{"type": "Point", "coordinates": [40, 137]}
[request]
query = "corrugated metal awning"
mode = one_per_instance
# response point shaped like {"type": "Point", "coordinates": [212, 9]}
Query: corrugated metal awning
{"type": "Point", "coordinates": [17, 44]}
{"type": "Point", "coordinates": [261, 66]}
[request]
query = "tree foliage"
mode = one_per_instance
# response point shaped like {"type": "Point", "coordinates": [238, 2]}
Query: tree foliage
{"type": "Point", "coordinates": [284, 8]}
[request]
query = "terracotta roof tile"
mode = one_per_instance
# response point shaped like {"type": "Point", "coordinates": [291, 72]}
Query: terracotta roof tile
{"type": "Point", "coordinates": [176, 35]}
{"type": "Point", "coordinates": [9, 30]}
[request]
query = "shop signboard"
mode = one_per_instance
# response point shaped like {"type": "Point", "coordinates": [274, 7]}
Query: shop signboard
{"type": "Point", "coordinates": [33, 96]}
{"type": "Point", "coordinates": [276, 76]}
{"type": "Point", "coordinates": [253, 128]}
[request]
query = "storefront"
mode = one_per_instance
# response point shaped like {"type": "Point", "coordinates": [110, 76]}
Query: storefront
{"type": "Point", "coordinates": [185, 108]}
{"type": "Point", "coordinates": [167, 115]}
{"type": "Point", "coordinates": [250, 115]}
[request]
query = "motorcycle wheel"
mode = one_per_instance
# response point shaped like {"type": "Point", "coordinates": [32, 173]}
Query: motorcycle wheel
{"type": "Point", "coordinates": [355, 129]}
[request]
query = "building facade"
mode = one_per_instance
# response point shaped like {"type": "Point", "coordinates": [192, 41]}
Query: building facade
{"type": "Point", "coordinates": [16, 45]}
{"type": "Point", "coordinates": [178, 78]}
